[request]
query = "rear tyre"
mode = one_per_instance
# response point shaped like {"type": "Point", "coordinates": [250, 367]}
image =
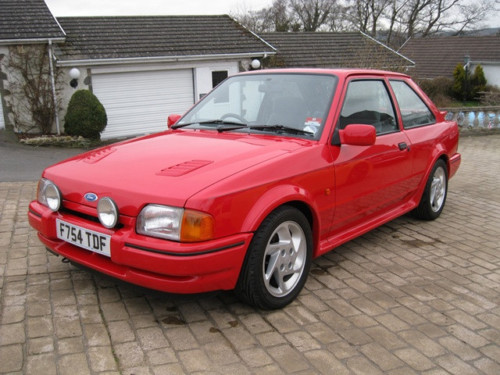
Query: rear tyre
{"type": "Point", "coordinates": [434, 196]}
{"type": "Point", "coordinates": [278, 260]}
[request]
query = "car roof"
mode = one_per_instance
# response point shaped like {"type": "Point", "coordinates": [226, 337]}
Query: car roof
{"type": "Point", "coordinates": [341, 72]}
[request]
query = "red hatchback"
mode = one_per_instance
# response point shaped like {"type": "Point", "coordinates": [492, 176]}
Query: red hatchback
{"type": "Point", "coordinates": [268, 171]}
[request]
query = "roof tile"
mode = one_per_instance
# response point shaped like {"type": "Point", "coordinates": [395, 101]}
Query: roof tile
{"type": "Point", "coordinates": [156, 36]}
{"type": "Point", "coordinates": [438, 56]}
{"type": "Point", "coordinates": [27, 20]}
{"type": "Point", "coordinates": [327, 49]}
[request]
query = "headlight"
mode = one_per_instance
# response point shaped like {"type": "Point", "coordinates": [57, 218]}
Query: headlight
{"type": "Point", "coordinates": [173, 223]}
{"type": "Point", "coordinates": [49, 195]}
{"type": "Point", "coordinates": [107, 211]}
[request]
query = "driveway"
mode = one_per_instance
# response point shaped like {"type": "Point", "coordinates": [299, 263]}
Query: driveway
{"type": "Point", "coordinates": [410, 297]}
{"type": "Point", "coordinates": [25, 163]}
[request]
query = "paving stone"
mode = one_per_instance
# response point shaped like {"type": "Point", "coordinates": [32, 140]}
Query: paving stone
{"type": "Point", "coordinates": [325, 363]}
{"type": "Point", "coordinates": [414, 359]}
{"type": "Point", "coordinates": [101, 359]}
{"type": "Point", "coordinates": [11, 358]}
{"type": "Point", "coordinates": [12, 334]}
{"type": "Point", "coordinates": [287, 358]}
{"type": "Point", "coordinates": [73, 363]}
{"type": "Point", "coordinates": [41, 364]}
{"type": "Point", "coordinates": [361, 365]}
{"type": "Point", "coordinates": [382, 357]}
{"type": "Point", "coordinates": [40, 345]}
{"type": "Point", "coordinates": [256, 357]}
{"type": "Point", "coordinates": [70, 345]}
{"type": "Point", "coordinates": [96, 335]}
{"type": "Point", "coordinates": [195, 360]}
{"type": "Point", "coordinates": [121, 331]}
{"type": "Point", "coordinates": [411, 297]}
{"type": "Point", "coordinates": [129, 354]}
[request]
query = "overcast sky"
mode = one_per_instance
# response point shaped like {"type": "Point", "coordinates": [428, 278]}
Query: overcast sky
{"type": "Point", "coordinates": [168, 7]}
{"type": "Point", "coordinates": [152, 7]}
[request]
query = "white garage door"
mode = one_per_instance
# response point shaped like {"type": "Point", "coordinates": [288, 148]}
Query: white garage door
{"type": "Point", "coordinates": [140, 102]}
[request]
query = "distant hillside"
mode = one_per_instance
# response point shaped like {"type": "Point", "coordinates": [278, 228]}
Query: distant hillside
{"type": "Point", "coordinates": [483, 32]}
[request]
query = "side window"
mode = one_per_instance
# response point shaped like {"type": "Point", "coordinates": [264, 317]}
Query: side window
{"type": "Point", "coordinates": [368, 102]}
{"type": "Point", "coordinates": [414, 112]}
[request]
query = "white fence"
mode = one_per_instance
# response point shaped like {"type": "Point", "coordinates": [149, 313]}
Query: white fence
{"type": "Point", "coordinates": [475, 117]}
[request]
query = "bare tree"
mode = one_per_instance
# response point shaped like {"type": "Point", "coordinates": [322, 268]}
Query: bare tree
{"type": "Point", "coordinates": [313, 14]}
{"type": "Point", "coordinates": [291, 15]}
{"type": "Point", "coordinates": [394, 21]}
{"type": "Point", "coordinates": [33, 103]}
{"type": "Point", "coordinates": [366, 15]}
{"type": "Point", "coordinates": [427, 17]}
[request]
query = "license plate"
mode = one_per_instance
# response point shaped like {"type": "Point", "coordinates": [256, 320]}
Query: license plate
{"type": "Point", "coordinates": [84, 238]}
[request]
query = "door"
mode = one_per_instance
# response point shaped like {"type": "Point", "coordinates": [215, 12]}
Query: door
{"type": "Point", "coordinates": [370, 180]}
{"type": "Point", "coordinates": [140, 102]}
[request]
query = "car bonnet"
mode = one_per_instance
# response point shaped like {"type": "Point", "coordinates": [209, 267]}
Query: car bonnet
{"type": "Point", "coordinates": [164, 169]}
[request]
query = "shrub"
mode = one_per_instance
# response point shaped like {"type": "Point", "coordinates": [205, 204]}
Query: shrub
{"type": "Point", "coordinates": [460, 89]}
{"type": "Point", "coordinates": [478, 81]}
{"type": "Point", "coordinates": [438, 89]}
{"type": "Point", "coordinates": [491, 96]}
{"type": "Point", "coordinates": [467, 86]}
{"type": "Point", "coordinates": [85, 116]}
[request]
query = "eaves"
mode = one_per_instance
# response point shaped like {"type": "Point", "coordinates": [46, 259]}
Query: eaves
{"type": "Point", "coordinates": [159, 59]}
{"type": "Point", "coordinates": [485, 62]}
{"type": "Point", "coordinates": [10, 42]}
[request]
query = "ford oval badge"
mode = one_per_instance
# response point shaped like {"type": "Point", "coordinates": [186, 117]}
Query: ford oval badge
{"type": "Point", "coordinates": [90, 197]}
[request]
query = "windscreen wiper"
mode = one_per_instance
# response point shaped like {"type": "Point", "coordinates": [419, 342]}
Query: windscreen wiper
{"type": "Point", "coordinates": [222, 124]}
{"type": "Point", "coordinates": [281, 128]}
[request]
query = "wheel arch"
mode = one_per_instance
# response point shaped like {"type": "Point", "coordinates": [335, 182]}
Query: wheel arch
{"type": "Point", "coordinates": [284, 196]}
{"type": "Point", "coordinates": [439, 155]}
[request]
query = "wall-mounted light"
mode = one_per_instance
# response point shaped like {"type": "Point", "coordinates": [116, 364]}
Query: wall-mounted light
{"type": "Point", "coordinates": [255, 64]}
{"type": "Point", "coordinates": [74, 74]}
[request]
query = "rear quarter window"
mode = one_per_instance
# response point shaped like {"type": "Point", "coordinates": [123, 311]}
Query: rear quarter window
{"type": "Point", "coordinates": [414, 111]}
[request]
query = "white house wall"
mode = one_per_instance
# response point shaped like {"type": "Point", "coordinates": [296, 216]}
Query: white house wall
{"type": "Point", "coordinates": [492, 74]}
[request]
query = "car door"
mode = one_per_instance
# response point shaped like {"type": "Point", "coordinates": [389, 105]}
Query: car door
{"type": "Point", "coordinates": [419, 124]}
{"type": "Point", "coordinates": [370, 180]}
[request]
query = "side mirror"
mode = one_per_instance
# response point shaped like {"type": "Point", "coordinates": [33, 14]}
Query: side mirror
{"type": "Point", "coordinates": [172, 120]}
{"type": "Point", "coordinates": [358, 135]}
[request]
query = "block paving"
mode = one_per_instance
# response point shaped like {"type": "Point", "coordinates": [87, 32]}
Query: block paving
{"type": "Point", "coordinates": [411, 297]}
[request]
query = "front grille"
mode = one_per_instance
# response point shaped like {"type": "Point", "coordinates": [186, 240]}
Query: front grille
{"type": "Point", "coordinates": [86, 217]}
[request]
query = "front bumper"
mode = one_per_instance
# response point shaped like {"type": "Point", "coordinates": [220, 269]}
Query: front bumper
{"type": "Point", "coordinates": [150, 262]}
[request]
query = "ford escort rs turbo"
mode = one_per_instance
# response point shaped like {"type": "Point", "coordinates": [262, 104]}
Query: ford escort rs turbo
{"type": "Point", "coordinates": [270, 170]}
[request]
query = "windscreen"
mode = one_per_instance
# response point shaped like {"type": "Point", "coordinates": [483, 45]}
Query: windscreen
{"type": "Point", "coordinates": [267, 102]}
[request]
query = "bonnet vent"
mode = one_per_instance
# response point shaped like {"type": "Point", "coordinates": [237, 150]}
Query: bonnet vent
{"type": "Point", "coordinates": [183, 168]}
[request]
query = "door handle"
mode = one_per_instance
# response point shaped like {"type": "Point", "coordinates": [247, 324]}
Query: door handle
{"type": "Point", "coordinates": [403, 146]}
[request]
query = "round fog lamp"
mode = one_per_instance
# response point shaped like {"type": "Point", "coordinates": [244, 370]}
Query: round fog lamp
{"type": "Point", "coordinates": [53, 197]}
{"type": "Point", "coordinates": [107, 211]}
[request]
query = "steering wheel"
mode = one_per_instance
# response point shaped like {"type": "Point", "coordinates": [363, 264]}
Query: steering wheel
{"type": "Point", "coordinates": [235, 116]}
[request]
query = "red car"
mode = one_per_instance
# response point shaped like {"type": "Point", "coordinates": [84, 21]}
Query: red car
{"type": "Point", "coordinates": [268, 171]}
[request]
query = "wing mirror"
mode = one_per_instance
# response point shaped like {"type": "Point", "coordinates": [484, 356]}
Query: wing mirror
{"type": "Point", "coordinates": [172, 120]}
{"type": "Point", "coordinates": [358, 135]}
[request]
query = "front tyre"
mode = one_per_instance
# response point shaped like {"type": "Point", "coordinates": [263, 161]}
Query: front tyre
{"type": "Point", "coordinates": [434, 196]}
{"type": "Point", "coordinates": [278, 260]}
